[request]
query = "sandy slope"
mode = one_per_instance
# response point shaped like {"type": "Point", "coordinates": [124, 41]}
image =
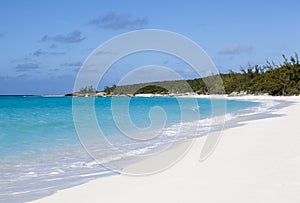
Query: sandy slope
{"type": "Point", "coordinates": [255, 162]}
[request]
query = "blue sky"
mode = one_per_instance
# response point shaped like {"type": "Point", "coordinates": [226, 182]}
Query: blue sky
{"type": "Point", "coordinates": [44, 43]}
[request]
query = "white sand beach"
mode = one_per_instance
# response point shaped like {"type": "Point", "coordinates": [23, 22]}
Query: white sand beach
{"type": "Point", "coordinates": [258, 161]}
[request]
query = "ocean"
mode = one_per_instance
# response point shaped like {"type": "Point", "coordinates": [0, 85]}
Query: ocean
{"type": "Point", "coordinates": [41, 152]}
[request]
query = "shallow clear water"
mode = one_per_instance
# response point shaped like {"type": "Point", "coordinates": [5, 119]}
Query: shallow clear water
{"type": "Point", "coordinates": [40, 151]}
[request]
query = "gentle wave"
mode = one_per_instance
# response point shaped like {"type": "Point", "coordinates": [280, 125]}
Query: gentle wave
{"type": "Point", "coordinates": [31, 176]}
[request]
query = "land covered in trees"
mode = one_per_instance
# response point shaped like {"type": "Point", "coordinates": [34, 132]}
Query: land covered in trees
{"type": "Point", "coordinates": [270, 78]}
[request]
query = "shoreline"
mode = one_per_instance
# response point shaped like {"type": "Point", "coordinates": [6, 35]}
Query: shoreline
{"type": "Point", "coordinates": [183, 95]}
{"type": "Point", "coordinates": [190, 171]}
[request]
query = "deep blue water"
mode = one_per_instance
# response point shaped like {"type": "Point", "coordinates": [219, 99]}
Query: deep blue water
{"type": "Point", "coordinates": [40, 151]}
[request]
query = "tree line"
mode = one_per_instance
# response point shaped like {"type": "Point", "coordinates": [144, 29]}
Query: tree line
{"type": "Point", "coordinates": [270, 78]}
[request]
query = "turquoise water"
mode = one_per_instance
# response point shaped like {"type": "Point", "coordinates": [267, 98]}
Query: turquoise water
{"type": "Point", "coordinates": [40, 151]}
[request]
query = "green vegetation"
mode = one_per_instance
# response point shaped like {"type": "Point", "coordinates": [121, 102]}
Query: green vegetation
{"type": "Point", "coordinates": [109, 90]}
{"type": "Point", "coordinates": [84, 91]}
{"type": "Point", "coordinates": [87, 90]}
{"type": "Point", "coordinates": [153, 89]}
{"type": "Point", "coordinates": [165, 87]}
{"type": "Point", "coordinates": [272, 79]}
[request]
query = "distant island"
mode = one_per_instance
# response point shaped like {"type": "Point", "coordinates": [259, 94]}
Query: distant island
{"type": "Point", "coordinates": [268, 79]}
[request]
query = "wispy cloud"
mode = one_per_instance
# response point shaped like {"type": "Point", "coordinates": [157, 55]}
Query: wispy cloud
{"type": "Point", "coordinates": [4, 77]}
{"type": "Point", "coordinates": [72, 37]}
{"type": "Point", "coordinates": [40, 52]}
{"type": "Point", "coordinates": [74, 64]}
{"type": "Point", "coordinates": [24, 67]}
{"type": "Point", "coordinates": [24, 75]}
{"type": "Point", "coordinates": [113, 21]}
{"type": "Point", "coordinates": [166, 62]}
{"type": "Point", "coordinates": [53, 46]}
{"type": "Point", "coordinates": [236, 49]}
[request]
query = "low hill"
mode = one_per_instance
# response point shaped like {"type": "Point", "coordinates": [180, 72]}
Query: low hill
{"type": "Point", "coordinates": [272, 79]}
